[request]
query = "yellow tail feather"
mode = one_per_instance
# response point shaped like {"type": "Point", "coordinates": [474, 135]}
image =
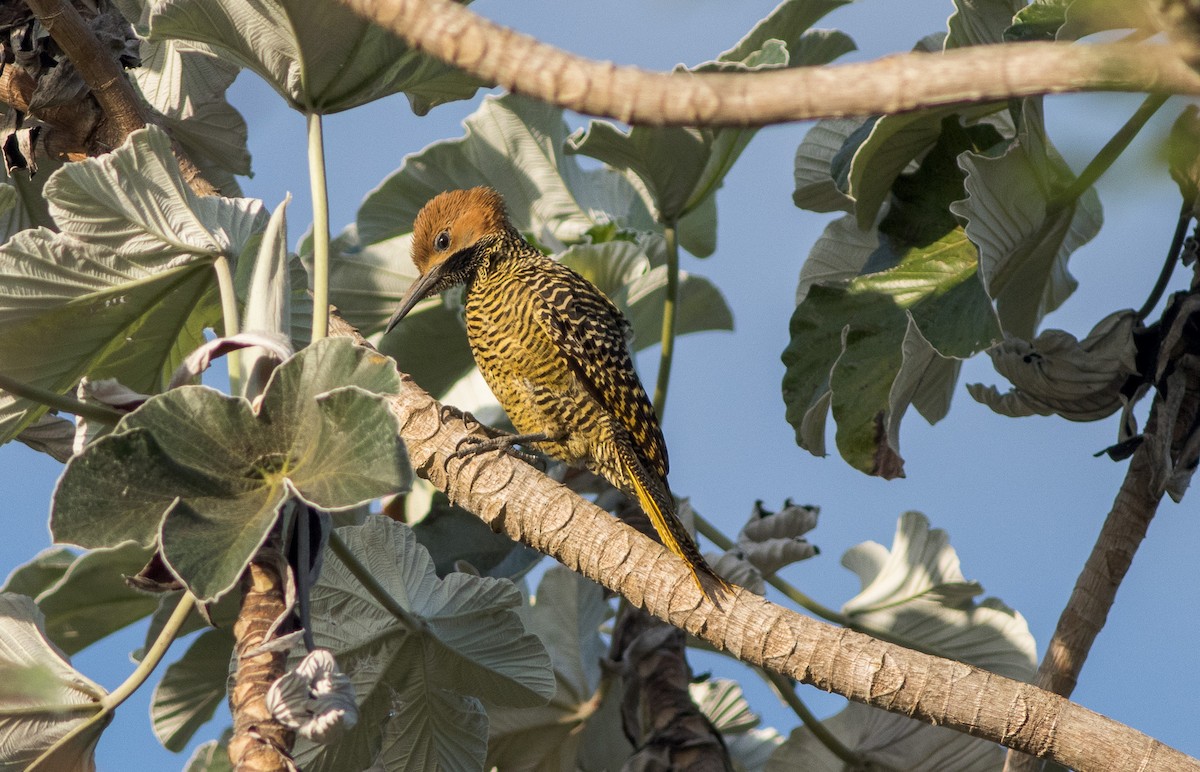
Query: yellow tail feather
{"type": "Point", "coordinates": [670, 530]}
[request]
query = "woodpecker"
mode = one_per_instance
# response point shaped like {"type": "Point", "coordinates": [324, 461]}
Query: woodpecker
{"type": "Point", "coordinates": [554, 351]}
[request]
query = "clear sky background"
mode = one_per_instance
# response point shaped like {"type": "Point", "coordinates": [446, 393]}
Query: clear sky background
{"type": "Point", "coordinates": [1021, 499]}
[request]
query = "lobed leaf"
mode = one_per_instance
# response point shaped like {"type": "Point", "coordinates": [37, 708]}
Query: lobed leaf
{"type": "Point", "coordinates": [419, 678]}
{"type": "Point", "coordinates": [514, 145]}
{"type": "Point", "coordinates": [202, 475]}
{"type": "Point", "coordinates": [40, 719]}
{"type": "Point", "coordinates": [126, 288]}
{"type": "Point", "coordinates": [320, 57]}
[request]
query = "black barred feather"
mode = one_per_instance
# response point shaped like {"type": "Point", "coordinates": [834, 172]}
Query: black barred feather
{"type": "Point", "coordinates": [554, 350]}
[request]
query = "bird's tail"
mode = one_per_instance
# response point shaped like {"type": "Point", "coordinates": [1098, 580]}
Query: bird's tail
{"type": "Point", "coordinates": [656, 502]}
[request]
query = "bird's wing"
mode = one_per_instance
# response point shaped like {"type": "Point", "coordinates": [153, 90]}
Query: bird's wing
{"type": "Point", "coordinates": [592, 335]}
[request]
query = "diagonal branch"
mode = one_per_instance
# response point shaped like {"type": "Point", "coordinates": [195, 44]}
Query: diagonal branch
{"type": "Point", "coordinates": [514, 498]}
{"type": "Point", "coordinates": [103, 73]}
{"type": "Point", "coordinates": [1172, 422]}
{"type": "Point", "coordinates": [894, 84]}
{"type": "Point", "coordinates": [123, 112]}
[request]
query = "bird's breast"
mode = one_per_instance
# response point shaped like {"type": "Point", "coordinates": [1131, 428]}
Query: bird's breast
{"type": "Point", "coordinates": [525, 370]}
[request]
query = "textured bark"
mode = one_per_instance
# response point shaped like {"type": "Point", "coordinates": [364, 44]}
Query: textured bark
{"type": "Point", "coordinates": [259, 742]}
{"type": "Point", "coordinates": [104, 75]}
{"type": "Point", "coordinates": [890, 85]}
{"type": "Point", "coordinates": [514, 498]}
{"type": "Point", "coordinates": [659, 716]}
{"type": "Point", "coordinates": [80, 129]}
{"type": "Point", "coordinates": [1172, 422]}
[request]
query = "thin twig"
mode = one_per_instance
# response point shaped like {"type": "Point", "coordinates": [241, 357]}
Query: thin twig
{"type": "Point", "coordinates": [670, 305]}
{"type": "Point", "coordinates": [1111, 151]}
{"type": "Point", "coordinates": [786, 689]}
{"type": "Point", "coordinates": [1164, 276]}
{"type": "Point", "coordinates": [113, 700]}
{"type": "Point", "coordinates": [99, 413]}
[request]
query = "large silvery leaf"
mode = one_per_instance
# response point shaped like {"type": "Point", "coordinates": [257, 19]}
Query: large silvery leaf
{"type": "Point", "coordinates": [186, 83]}
{"type": "Point", "coordinates": [883, 327]}
{"type": "Point", "coordinates": [514, 145]}
{"type": "Point", "coordinates": [203, 475]}
{"type": "Point", "coordinates": [816, 189]}
{"type": "Point", "coordinates": [566, 614]}
{"type": "Point", "coordinates": [41, 699]}
{"type": "Point", "coordinates": [418, 679]}
{"type": "Point", "coordinates": [1024, 232]}
{"type": "Point", "coordinates": [722, 701]}
{"type": "Point", "coordinates": [980, 22]}
{"type": "Point", "coordinates": [892, 144]}
{"type": "Point", "coordinates": [126, 288]}
{"type": "Point", "coordinates": [321, 57]}
{"type": "Point", "coordinates": [1080, 380]}
{"type": "Point", "coordinates": [916, 590]}
{"type": "Point", "coordinates": [681, 168]}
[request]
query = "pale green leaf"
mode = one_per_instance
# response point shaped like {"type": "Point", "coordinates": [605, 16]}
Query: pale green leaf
{"type": "Point", "coordinates": [186, 83]}
{"type": "Point", "coordinates": [452, 534]}
{"type": "Point", "coordinates": [1024, 235]}
{"type": "Point", "coordinates": [203, 474]}
{"type": "Point", "coordinates": [1057, 374]}
{"type": "Point", "coordinates": [40, 573]}
{"type": "Point", "coordinates": [135, 202]}
{"type": "Point", "coordinates": [917, 590]}
{"type": "Point", "coordinates": [851, 345]}
{"type": "Point", "coordinates": [126, 289]}
{"type": "Point", "coordinates": [41, 696]}
{"type": "Point", "coordinates": [889, 741]}
{"type": "Point", "coordinates": [268, 301]}
{"type": "Point", "coordinates": [421, 682]}
{"type": "Point", "coordinates": [92, 600]}
{"type": "Point", "coordinates": [787, 22]}
{"type": "Point", "coordinates": [980, 22]}
{"type": "Point", "coordinates": [191, 689]}
{"type": "Point", "coordinates": [566, 614]}
{"type": "Point", "coordinates": [320, 57]}
{"type": "Point", "coordinates": [816, 189]}
{"type": "Point", "coordinates": [895, 142]}
{"type": "Point", "coordinates": [28, 207]}
{"type": "Point", "coordinates": [212, 756]}
{"type": "Point", "coordinates": [514, 145]}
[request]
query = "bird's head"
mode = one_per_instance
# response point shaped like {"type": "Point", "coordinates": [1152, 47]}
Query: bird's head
{"type": "Point", "coordinates": [445, 236]}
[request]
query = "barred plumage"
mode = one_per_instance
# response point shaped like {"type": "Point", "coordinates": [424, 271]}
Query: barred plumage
{"type": "Point", "coordinates": [554, 350]}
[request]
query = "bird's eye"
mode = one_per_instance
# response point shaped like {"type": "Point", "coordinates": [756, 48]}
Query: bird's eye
{"type": "Point", "coordinates": [442, 242]}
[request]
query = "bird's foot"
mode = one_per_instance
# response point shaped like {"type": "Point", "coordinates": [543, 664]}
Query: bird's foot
{"type": "Point", "coordinates": [470, 446]}
{"type": "Point", "coordinates": [469, 421]}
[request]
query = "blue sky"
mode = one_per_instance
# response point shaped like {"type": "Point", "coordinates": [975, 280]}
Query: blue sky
{"type": "Point", "coordinates": [1022, 499]}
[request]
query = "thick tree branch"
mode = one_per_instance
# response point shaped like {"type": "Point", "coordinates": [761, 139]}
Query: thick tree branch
{"type": "Point", "coordinates": [514, 498]}
{"type": "Point", "coordinates": [259, 742]}
{"type": "Point", "coordinates": [893, 84]}
{"type": "Point", "coordinates": [103, 74]}
{"type": "Point", "coordinates": [122, 111]}
{"type": "Point", "coordinates": [1169, 429]}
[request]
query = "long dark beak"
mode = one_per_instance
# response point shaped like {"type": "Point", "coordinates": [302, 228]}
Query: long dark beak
{"type": "Point", "coordinates": [416, 293]}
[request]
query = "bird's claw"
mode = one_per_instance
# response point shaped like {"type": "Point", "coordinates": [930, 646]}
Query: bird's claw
{"type": "Point", "coordinates": [471, 446]}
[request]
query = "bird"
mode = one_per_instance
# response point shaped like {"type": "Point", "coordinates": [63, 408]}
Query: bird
{"type": "Point", "coordinates": [554, 350]}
